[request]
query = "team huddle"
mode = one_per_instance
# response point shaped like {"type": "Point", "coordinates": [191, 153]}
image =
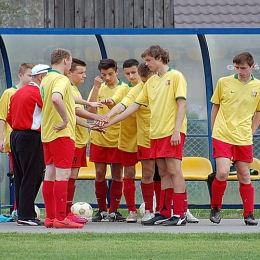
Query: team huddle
{"type": "Point", "coordinates": [44, 128]}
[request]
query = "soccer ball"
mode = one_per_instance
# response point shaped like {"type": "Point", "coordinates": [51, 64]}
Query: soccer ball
{"type": "Point", "coordinates": [37, 211]}
{"type": "Point", "coordinates": [82, 209]}
{"type": "Point", "coordinates": [142, 209]}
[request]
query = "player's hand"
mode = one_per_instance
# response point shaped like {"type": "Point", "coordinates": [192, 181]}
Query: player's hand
{"type": "Point", "coordinates": [176, 138]}
{"type": "Point", "coordinates": [98, 81]}
{"type": "Point", "coordinates": [95, 127]}
{"type": "Point", "coordinates": [95, 104]}
{"type": "Point", "coordinates": [107, 101]}
{"type": "Point", "coordinates": [106, 125]}
{"type": "Point", "coordinates": [102, 118]}
{"type": "Point", "coordinates": [60, 127]}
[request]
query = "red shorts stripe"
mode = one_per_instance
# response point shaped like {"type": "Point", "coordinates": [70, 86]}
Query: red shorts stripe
{"type": "Point", "coordinates": [60, 152]}
{"type": "Point", "coordinates": [161, 148]}
{"type": "Point", "coordinates": [243, 153]}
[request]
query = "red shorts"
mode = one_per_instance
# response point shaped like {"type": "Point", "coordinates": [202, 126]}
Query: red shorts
{"type": "Point", "coordinates": [102, 154]}
{"type": "Point", "coordinates": [128, 159]}
{"type": "Point", "coordinates": [143, 153]}
{"type": "Point", "coordinates": [161, 148]}
{"type": "Point", "coordinates": [80, 157]}
{"type": "Point", "coordinates": [60, 152]}
{"type": "Point", "coordinates": [243, 153]}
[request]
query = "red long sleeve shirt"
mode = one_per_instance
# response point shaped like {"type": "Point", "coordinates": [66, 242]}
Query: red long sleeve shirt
{"type": "Point", "coordinates": [25, 111]}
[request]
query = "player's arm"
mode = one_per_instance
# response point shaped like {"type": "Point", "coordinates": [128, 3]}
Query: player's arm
{"type": "Point", "coordinates": [176, 138]}
{"type": "Point", "coordinates": [214, 112]}
{"type": "Point", "coordinates": [86, 103]}
{"type": "Point", "coordinates": [61, 109]}
{"type": "Point", "coordinates": [87, 115]}
{"type": "Point", "coordinates": [128, 112]}
{"type": "Point", "coordinates": [84, 123]}
{"type": "Point", "coordinates": [256, 122]}
{"type": "Point", "coordinates": [94, 95]}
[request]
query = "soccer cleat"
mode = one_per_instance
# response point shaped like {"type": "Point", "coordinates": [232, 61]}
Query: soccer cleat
{"type": "Point", "coordinates": [48, 223]}
{"type": "Point", "coordinates": [115, 216]}
{"type": "Point", "coordinates": [175, 220]}
{"type": "Point", "coordinates": [76, 219]}
{"type": "Point", "coordinates": [132, 217]}
{"type": "Point", "coordinates": [156, 220]}
{"type": "Point", "coordinates": [250, 220]}
{"type": "Point", "coordinates": [190, 218]}
{"type": "Point", "coordinates": [215, 215]}
{"type": "Point", "coordinates": [29, 222]}
{"type": "Point", "coordinates": [66, 223]}
{"type": "Point", "coordinates": [147, 216]}
{"type": "Point", "coordinates": [101, 215]}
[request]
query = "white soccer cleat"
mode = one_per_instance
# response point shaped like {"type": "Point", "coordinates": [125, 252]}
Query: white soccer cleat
{"type": "Point", "coordinates": [190, 218]}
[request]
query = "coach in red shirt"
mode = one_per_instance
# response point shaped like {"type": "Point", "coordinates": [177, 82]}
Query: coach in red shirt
{"type": "Point", "coordinates": [24, 117]}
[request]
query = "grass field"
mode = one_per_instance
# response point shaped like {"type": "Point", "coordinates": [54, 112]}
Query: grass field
{"type": "Point", "coordinates": [132, 246]}
{"type": "Point", "coordinates": [147, 246]}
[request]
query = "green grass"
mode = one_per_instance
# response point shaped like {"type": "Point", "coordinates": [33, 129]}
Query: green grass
{"type": "Point", "coordinates": [148, 246]}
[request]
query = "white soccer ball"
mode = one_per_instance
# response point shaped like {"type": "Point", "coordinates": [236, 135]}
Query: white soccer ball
{"type": "Point", "coordinates": [82, 209]}
{"type": "Point", "coordinates": [38, 212]}
{"type": "Point", "coordinates": [142, 209]}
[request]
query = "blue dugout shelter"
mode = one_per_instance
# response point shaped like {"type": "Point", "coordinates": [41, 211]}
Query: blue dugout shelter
{"type": "Point", "coordinates": [202, 55]}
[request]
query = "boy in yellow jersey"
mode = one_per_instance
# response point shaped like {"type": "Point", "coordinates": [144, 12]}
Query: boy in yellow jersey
{"type": "Point", "coordinates": [236, 100]}
{"type": "Point", "coordinates": [104, 148]}
{"type": "Point", "coordinates": [24, 75]}
{"type": "Point", "coordinates": [149, 185]}
{"type": "Point", "coordinates": [58, 137]}
{"type": "Point", "coordinates": [77, 75]}
{"type": "Point", "coordinates": [128, 138]}
{"type": "Point", "coordinates": [165, 93]}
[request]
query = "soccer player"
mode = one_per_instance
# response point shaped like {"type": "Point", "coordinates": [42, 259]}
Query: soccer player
{"type": "Point", "coordinates": [236, 100]}
{"type": "Point", "coordinates": [104, 148]}
{"type": "Point", "coordinates": [58, 137]}
{"type": "Point", "coordinates": [165, 93]}
{"type": "Point", "coordinates": [24, 117]}
{"type": "Point", "coordinates": [127, 138]}
{"type": "Point", "coordinates": [77, 76]}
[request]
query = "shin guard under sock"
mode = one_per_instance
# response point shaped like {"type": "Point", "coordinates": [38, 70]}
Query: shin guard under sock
{"type": "Point", "coordinates": [148, 192]}
{"type": "Point", "coordinates": [101, 194]}
{"type": "Point", "coordinates": [218, 190]}
{"type": "Point", "coordinates": [116, 193]}
{"type": "Point", "coordinates": [247, 195]}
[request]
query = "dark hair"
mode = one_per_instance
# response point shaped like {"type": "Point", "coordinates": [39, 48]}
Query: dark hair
{"type": "Point", "coordinates": [143, 70]}
{"type": "Point", "coordinates": [106, 64]}
{"type": "Point", "coordinates": [130, 63]}
{"type": "Point", "coordinates": [244, 57]}
{"type": "Point", "coordinates": [157, 52]}
{"type": "Point", "coordinates": [76, 62]}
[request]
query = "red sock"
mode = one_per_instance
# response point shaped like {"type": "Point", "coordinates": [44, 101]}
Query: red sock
{"type": "Point", "coordinates": [71, 192]}
{"type": "Point", "coordinates": [218, 189]}
{"type": "Point", "coordinates": [166, 202]}
{"type": "Point", "coordinates": [60, 192]}
{"type": "Point", "coordinates": [129, 193]}
{"type": "Point", "coordinates": [157, 190]}
{"type": "Point", "coordinates": [47, 193]}
{"type": "Point", "coordinates": [247, 193]}
{"type": "Point", "coordinates": [178, 201]}
{"type": "Point", "coordinates": [148, 192]}
{"type": "Point", "coordinates": [185, 204]}
{"type": "Point", "coordinates": [101, 194]}
{"type": "Point", "coordinates": [116, 193]}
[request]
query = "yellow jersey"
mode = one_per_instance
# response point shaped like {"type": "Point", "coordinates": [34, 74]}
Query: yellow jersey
{"type": "Point", "coordinates": [237, 104]}
{"type": "Point", "coordinates": [161, 93]}
{"type": "Point", "coordinates": [4, 107]}
{"type": "Point", "coordinates": [55, 82]}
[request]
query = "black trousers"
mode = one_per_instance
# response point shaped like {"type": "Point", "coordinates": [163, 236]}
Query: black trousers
{"type": "Point", "coordinates": [28, 160]}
